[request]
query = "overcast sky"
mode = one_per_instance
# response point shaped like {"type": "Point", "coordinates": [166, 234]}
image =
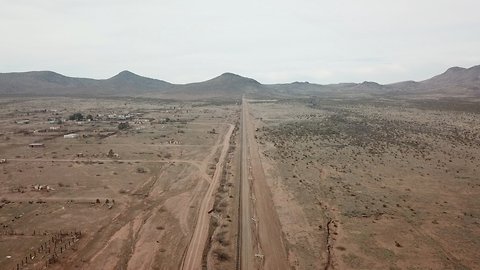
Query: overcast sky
{"type": "Point", "coordinates": [269, 40]}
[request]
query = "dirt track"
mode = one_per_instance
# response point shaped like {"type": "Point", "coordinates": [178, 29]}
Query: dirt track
{"type": "Point", "coordinates": [269, 246]}
{"type": "Point", "coordinates": [140, 251]}
{"type": "Point", "coordinates": [139, 211]}
{"type": "Point", "coordinates": [193, 255]}
{"type": "Point", "coordinates": [245, 260]}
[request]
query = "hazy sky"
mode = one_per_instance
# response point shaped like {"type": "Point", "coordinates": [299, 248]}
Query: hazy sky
{"type": "Point", "coordinates": [269, 40]}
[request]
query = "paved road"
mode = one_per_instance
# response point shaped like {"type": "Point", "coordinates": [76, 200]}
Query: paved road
{"type": "Point", "coordinates": [193, 256]}
{"type": "Point", "coordinates": [245, 231]}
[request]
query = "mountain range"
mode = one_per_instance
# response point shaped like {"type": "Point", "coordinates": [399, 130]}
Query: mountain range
{"type": "Point", "coordinates": [456, 81]}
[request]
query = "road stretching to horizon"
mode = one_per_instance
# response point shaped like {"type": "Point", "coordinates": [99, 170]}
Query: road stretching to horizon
{"type": "Point", "coordinates": [193, 255]}
{"type": "Point", "coordinates": [245, 260]}
{"type": "Point", "coordinates": [271, 257]}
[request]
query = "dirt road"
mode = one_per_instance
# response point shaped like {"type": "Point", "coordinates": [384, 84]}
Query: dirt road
{"type": "Point", "coordinates": [103, 160]}
{"type": "Point", "coordinates": [193, 255]}
{"type": "Point", "coordinates": [270, 251]}
{"type": "Point", "coordinates": [245, 260]}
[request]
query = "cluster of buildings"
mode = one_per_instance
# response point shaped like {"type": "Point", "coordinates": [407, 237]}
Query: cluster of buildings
{"type": "Point", "coordinates": [58, 122]}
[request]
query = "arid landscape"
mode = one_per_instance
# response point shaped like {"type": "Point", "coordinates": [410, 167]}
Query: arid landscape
{"type": "Point", "coordinates": [373, 184]}
{"type": "Point", "coordinates": [248, 176]}
{"type": "Point", "coordinates": [114, 197]}
{"type": "Point", "coordinates": [240, 135]}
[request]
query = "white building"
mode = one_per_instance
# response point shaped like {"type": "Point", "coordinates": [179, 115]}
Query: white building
{"type": "Point", "coordinates": [71, 136]}
{"type": "Point", "coordinates": [23, 122]}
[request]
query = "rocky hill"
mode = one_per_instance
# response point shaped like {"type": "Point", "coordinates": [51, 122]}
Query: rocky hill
{"type": "Point", "coordinates": [455, 81]}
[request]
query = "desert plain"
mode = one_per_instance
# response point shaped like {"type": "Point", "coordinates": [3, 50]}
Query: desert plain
{"type": "Point", "coordinates": [249, 183]}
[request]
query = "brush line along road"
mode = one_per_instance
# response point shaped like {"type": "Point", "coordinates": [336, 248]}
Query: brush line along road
{"type": "Point", "coordinates": [194, 253]}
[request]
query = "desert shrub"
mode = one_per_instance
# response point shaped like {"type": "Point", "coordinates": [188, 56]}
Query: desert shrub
{"type": "Point", "coordinates": [222, 239]}
{"type": "Point", "coordinates": [223, 204]}
{"type": "Point", "coordinates": [76, 117]}
{"type": "Point", "coordinates": [221, 255]}
{"type": "Point", "coordinates": [123, 126]}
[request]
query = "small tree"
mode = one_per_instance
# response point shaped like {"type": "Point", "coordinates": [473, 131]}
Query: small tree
{"type": "Point", "coordinates": [90, 117]}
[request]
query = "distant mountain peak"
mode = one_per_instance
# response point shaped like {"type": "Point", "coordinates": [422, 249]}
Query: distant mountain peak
{"type": "Point", "coordinates": [125, 74]}
{"type": "Point", "coordinates": [301, 83]}
{"type": "Point", "coordinates": [232, 77]}
{"type": "Point", "coordinates": [230, 74]}
{"type": "Point", "coordinates": [42, 73]}
{"type": "Point", "coordinates": [370, 83]}
{"type": "Point", "coordinates": [455, 69]}
{"type": "Point", "coordinates": [475, 68]}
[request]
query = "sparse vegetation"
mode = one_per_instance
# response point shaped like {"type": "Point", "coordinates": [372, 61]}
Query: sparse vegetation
{"type": "Point", "coordinates": [370, 183]}
{"type": "Point", "coordinates": [221, 255]}
{"type": "Point", "coordinates": [123, 126]}
{"type": "Point", "coordinates": [76, 117]}
{"type": "Point", "coordinates": [366, 162]}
